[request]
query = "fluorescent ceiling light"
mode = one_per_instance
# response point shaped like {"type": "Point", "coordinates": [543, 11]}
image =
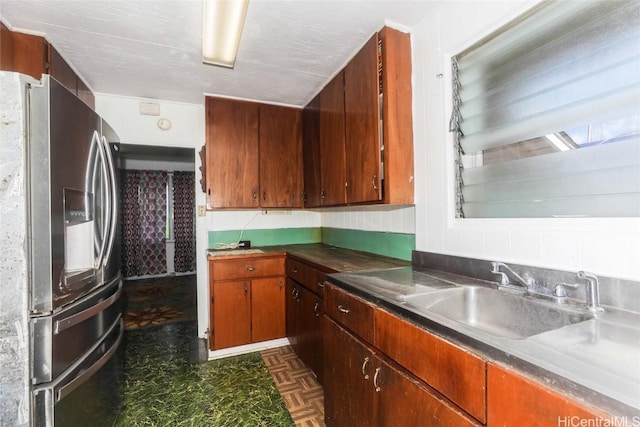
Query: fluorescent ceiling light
{"type": "Point", "coordinates": [223, 22]}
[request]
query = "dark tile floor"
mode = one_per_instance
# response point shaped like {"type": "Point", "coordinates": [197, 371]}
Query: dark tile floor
{"type": "Point", "coordinates": [163, 388]}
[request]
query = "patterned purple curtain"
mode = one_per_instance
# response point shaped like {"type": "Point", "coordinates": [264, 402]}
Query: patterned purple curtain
{"type": "Point", "coordinates": [144, 218]}
{"type": "Point", "coordinates": [184, 221]}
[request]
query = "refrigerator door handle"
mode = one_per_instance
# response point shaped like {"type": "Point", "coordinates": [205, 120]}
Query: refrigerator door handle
{"type": "Point", "coordinates": [88, 373]}
{"type": "Point", "coordinates": [68, 322]}
{"type": "Point", "coordinates": [107, 198]}
{"type": "Point", "coordinates": [113, 211]}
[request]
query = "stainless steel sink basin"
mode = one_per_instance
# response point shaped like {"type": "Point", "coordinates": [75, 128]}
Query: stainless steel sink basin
{"type": "Point", "coordinates": [497, 312]}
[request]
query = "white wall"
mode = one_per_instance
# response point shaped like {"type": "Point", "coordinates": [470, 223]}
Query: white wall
{"type": "Point", "coordinates": [606, 246]}
{"type": "Point", "coordinates": [187, 130]}
{"type": "Point", "coordinates": [392, 219]}
{"type": "Point", "coordinates": [256, 219]}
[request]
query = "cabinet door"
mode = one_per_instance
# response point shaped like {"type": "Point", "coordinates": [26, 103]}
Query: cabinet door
{"type": "Point", "coordinates": [280, 157]}
{"type": "Point", "coordinates": [311, 153]}
{"type": "Point", "coordinates": [513, 400]}
{"type": "Point", "coordinates": [310, 330]}
{"type": "Point", "coordinates": [61, 71]}
{"type": "Point", "coordinates": [232, 154]}
{"type": "Point", "coordinates": [332, 148]}
{"type": "Point", "coordinates": [30, 54]}
{"type": "Point", "coordinates": [291, 317]}
{"type": "Point", "coordinates": [401, 401]}
{"type": "Point", "coordinates": [231, 313]}
{"type": "Point", "coordinates": [6, 48]}
{"type": "Point", "coordinates": [267, 309]}
{"type": "Point", "coordinates": [362, 125]}
{"type": "Point", "coordinates": [347, 379]}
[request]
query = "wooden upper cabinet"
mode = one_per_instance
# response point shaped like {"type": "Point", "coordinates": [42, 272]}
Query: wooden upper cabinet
{"type": "Point", "coordinates": [34, 56]}
{"type": "Point", "coordinates": [232, 154]}
{"type": "Point", "coordinates": [60, 70]}
{"type": "Point", "coordinates": [30, 54]}
{"type": "Point", "coordinates": [253, 155]}
{"type": "Point", "coordinates": [332, 143]}
{"type": "Point", "coordinates": [397, 117]}
{"type": "Point", "coordinates": [280, 157]}
{"type": "Point", "coordinates": [6, 48]}
{"type": "Point", "coordinates": [362, 125]}
{"type": "Point", "coordinates": [311, 153]}
{"type": "Point", "coordinates": [378, 121]}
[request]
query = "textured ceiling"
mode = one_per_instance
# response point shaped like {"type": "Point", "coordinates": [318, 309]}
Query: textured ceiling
{"type": "Point", "coordinates": [152, 49]}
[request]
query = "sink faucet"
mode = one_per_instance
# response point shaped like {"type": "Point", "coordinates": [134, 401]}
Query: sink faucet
{"type": "Point", "coordinates": [504, 279]}
{"type": "Point", "coordinates": [593, 291]}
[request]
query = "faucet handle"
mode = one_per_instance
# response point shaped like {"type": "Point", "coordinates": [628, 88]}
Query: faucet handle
{"type": "Point", "coordinates": [560, 291]}
{"type": "Point", "coordinates": [495, 269]}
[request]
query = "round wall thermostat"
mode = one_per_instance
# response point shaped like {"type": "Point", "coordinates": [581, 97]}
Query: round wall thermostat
{"type": "Point", "coordinates": [164, 124]}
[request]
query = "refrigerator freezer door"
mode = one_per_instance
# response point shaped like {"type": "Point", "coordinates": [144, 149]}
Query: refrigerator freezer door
{"type": "Point", "coordinates": [60, 340]}
{"type": "Point", "coordinates": [90, 393]}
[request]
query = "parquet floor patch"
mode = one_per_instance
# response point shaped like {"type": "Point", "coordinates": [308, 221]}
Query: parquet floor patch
{"type": "Point", "coordinates": [299, 388]}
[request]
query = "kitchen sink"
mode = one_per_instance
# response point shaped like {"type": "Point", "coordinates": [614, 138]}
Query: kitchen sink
{"type": "Point", "coordinates": [497, 312]}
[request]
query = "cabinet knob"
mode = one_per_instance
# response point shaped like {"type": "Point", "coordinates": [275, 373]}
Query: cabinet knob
{"type": "Point", "coordinates": [295, 271]}
{"type": "Point", "coordinates": [343, 310]}
{"type": "Point", "coordinates": [264, 195]}
{"type": "Point", "coordinates": [281, 285]}
{"type": "Point", "coordinates": [316, 308]}
{"type": "Point", "coordinates": [246, 288]}
{"type": "Point", "coordinates": [255, 195]}
{"type": "Point", "coordinates": [250, 268]}
{"type": "Point", "coordinates": [375, 380]}
{"type": "Point", "coordinates": [323, 193]}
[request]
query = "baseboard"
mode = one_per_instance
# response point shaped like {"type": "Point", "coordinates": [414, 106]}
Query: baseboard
{"type": "Point", "coordinates": [249, 348]}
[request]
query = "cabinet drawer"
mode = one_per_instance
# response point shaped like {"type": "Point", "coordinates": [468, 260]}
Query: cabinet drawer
{"type": "Point", "coordinates": [353, 312]}
{"type": "Point", "coordinates": [248, 268]}
{"type": "Point", "coordinates": [531, 403]}
{"type": "Point", "coordinates": [456, 373]}
{"type": "Point", "coordinates": [306, 275]}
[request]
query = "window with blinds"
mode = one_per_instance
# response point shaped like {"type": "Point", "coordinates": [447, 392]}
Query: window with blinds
{"type": "Point", "coordinates": [546, 115]}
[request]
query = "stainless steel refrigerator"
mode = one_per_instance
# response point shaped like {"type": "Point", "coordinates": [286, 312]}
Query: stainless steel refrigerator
{"type": "Point", "coordinates": [75, 286]}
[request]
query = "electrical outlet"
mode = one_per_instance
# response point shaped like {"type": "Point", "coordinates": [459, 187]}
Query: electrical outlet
{"type": "Point", "coordinates": [276, 212]}
{"type": "Point", "coordinates": [244, 244]}
{"type": "Point", "coordinates": [201, 210]}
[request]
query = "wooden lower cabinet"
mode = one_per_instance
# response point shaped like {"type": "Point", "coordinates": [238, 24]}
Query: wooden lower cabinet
{"type": "Point", "coordinates": [348, 393]}
{"type": "Point", "coordinates": [309, 331]}
{"type": "Point", "coordinates": [514, 400]}
{"type": "Point", "coordinates": [267, 309]}
{"type": "Point", "coordinates": [452, 370]}
{"type": "Point", "coordinates": [231, 314]}
{"type": "Point", "coordinates": [363, 389]}
{"type": "Point", "coordinates": [247, 300]}
{"type": "Point", "coordinates": [304, 326]}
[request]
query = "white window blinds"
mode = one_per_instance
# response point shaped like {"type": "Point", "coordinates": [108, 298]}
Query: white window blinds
{"type": "Point", "coordinates": [547, 114]}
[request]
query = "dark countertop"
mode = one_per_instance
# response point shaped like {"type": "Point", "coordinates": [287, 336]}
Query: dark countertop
{"type": "Point", "coordinates": [590, 367]}
{"type": "Point", "coordinates": [330, 259]}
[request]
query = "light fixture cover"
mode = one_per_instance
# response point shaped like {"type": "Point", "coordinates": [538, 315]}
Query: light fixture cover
{"type": "Point", "coordinates": [222, 27]}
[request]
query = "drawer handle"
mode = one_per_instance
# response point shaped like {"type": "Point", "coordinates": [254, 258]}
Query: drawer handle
{"type": "Point", "coordinates": [375, 380]}
{"type": "Point", "coordinates": [343, 310]}
{"type": "Point", "coordinates": [295, 270]}
{"type": "Point", "coordinates": [320, 285]}
{"type": "Point", "coordinates": [250, 268]}
{"type": "Point", "coordinates": [364, 366]}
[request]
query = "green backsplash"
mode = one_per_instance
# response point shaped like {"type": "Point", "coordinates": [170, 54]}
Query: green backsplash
{"type": "Point", "coordinates": [395, 245]}
{"type": "Point", "coordinates": [268, 237]}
